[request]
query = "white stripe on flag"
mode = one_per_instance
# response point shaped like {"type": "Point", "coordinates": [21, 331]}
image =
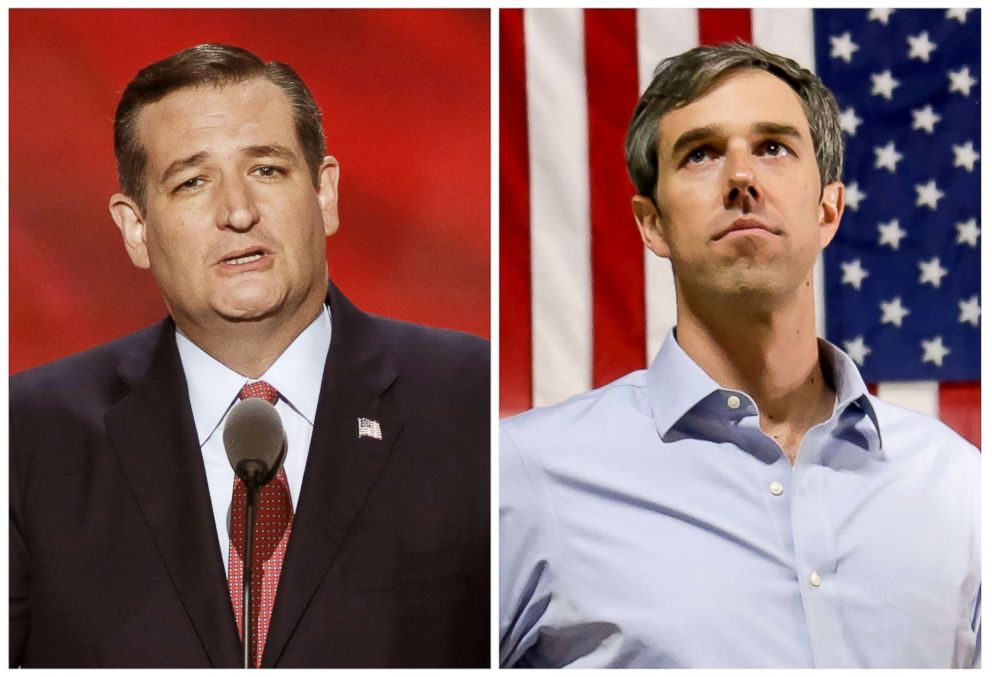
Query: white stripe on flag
{"type": "Point", "coordinates": [788, 32]}
{"type": "Point", "coordinates": [561, 277]}
{"type": "Point", "coordinates": [660, 33]}
{"type": "Point", "coordinates": [921, 396]}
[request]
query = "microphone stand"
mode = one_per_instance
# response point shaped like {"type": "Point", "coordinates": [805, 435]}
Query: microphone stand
{"type": "Point", "coordinates": [248, 646]}
{"type": "Point", "coordinates": [254, 473]}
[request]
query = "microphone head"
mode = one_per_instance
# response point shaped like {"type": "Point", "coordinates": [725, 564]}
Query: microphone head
{"type": "Point", "coordinates": [255, 441]}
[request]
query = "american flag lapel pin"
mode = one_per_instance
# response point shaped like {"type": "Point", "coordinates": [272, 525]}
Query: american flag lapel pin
{"type": "Point", "coordinates": [369, 428]}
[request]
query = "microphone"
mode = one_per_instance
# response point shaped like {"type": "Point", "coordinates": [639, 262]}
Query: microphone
{"type": "Point", "coordinates": [255, 441]}
{"type": "Point", "coordinates": [256, 447]}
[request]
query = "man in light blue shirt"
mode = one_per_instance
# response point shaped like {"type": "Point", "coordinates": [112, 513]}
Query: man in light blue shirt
{"type": "Point", "coordinates": [744, 502]}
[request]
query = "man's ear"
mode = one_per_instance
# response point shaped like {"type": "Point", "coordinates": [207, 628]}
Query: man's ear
{"type": "Point", "coordinates": [327, 194]}
{"type": "Point", "coordinates": [831, 211]}
{"type": "Point", "coordinates": [649, 225]}
{"type": "Point", "coordinates": [131, 222]}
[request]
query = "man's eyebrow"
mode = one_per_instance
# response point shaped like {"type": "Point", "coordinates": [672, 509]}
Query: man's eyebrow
{"type": "Point", "coordinates": [276, 150]}
{"type": "Point", "coordinates": [697, 134]}
{"type": "Point", "coordinates": [182, 164]}
{"type": "Point", "coordinates": [776, 129]}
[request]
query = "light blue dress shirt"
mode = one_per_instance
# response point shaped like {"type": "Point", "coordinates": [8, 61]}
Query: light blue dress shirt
{"type": "Point", "coordinates": [651, 523]}
{"type": "Point", "coordinates": [213, 389]}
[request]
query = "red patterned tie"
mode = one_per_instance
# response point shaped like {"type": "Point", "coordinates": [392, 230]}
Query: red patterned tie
{"type": "Point", "coordinates": [273, 525]}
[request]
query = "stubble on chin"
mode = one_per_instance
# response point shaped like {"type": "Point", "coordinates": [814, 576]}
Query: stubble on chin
{"type": "Point", "coordinates": [739, 282]}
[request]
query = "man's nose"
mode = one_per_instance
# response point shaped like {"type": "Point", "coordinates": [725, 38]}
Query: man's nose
{"type": "Point", "coordinates": [237, 209]}
{"type": "Point", "coordinates": [742, 191]}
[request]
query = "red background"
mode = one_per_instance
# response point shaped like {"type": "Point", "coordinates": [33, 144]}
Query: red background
{"type": "Point", "coordinates": [405, 96]}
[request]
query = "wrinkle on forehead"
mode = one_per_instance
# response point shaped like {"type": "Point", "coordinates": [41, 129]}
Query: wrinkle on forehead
{"type": "Point", "coordinates": [741, 98]}
{"type": "Point", "coordinates": [195, 119]}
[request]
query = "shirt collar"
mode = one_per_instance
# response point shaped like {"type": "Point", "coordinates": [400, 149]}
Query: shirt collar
{"type": "Point", "coordinates": [297, 374]}
{"type": "Point", "coordinates": [676, 384]}
{"type": "Point", "coordinates": [848, 384]}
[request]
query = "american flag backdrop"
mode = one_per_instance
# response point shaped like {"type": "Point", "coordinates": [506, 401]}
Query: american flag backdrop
{"type": "Point", "coordinates": [582, 302]}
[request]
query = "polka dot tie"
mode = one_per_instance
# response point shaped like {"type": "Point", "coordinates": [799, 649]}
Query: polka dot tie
{"type": "Point", "coordinates": [273, 525]}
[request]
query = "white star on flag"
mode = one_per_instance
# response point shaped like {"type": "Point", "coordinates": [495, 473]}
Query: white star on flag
{"type": "Point", "coordinates": [934, 351]}
{"type": "Point", "coordinates": [880, 15]}
{"type": "Point", "coordinates": [928, 194]}
{"type": "Point", "coordinates": [857, 349]}
{"type": "Point", "coordinates": [853, 273]}
{"type": "Point", "coordinates": [931, 272]}
{"type": "Point", "coordinates": [842, 47]}
{"type": "Point", "coordinates": [893, 311]}
{"type": "Point", "coordinates": [961, 81]}
{"type": "Point", "coordinates": [882, 84]}
{"type": "Point", "coordinates": [849, 121]}
{"type": "Point", "coordinates": [920, 46]}
{"type": "Point", "coordinates": [887, 156]}
{"type": "Point", "coordinates": [965, 156]}
{"type": "Point", "coordinates": [890, 233]}
{"type": "Point", "coordinates": [924, 118]}
{"type": "Point", "coordinates": [970, 311]}
{"type": "Point", "coordinates": [959, 13]}
{"type": "Point", "coordinates": [853, 196]}
{"type": "Point", "coordinates": [968, 232]}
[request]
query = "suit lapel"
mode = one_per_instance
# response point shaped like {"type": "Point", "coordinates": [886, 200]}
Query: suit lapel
{"type": "Point", "coordinates": [341, 467]}
{"type": "Point", "coordinates": [153, 433]}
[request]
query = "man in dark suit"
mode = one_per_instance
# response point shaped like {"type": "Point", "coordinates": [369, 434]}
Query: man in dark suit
{"type": "Point", "coordinates": [120, 545]}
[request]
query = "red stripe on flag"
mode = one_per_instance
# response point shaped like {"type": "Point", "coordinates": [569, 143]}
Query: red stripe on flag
{"type": "Point", "coordinates": [960, 408]}
{"type": "Point", "coordinates": [617, 256]}
{"type": "Point", "coordinates": [514, 220]}
{"type": "Point", "coordinates": [724, 25]}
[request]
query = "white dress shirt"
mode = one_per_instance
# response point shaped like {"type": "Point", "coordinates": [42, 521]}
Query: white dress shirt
{"type": "Point", "coordinates": [214, 388]}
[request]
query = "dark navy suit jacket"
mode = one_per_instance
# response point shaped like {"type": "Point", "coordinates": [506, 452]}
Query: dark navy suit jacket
{"type": "Point", "coordinates": [114, 559]}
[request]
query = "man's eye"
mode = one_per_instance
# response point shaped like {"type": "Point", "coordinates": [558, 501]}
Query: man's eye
{"type": "Point", "coordinates": [190, 184]}
{"type": "Point", "coordinates": [775, 149]}
{"type": "Point", "coordinates": [269, 172]}
{"type": "Point", "coordinates": [697, 156]}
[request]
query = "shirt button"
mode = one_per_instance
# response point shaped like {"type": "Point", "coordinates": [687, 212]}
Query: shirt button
{"type": "Point", "coordinates": [814, 579]}
{"type": "Point", "coordinates": [776, 488]}
{"type": "Point", "coordinates": [734, 402]}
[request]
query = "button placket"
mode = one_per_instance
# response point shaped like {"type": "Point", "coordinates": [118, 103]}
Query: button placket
{"type": "Point", "coordinates": [816, 559]}
{"type": "Point", "coordinates": [774, 484]}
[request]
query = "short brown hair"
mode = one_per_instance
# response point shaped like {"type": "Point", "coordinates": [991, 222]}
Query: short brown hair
{"type": "Point", "coordinates": [682, 79]}
{"type": "Point", "coordinates": [216, 65]}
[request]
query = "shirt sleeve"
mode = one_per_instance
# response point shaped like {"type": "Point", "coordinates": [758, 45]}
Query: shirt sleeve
{"type": "Point", "coordinates": [976, 625]}
{"type": "Point", "coordinates": [525, 544]}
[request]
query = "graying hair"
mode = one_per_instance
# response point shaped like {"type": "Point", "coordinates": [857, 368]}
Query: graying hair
{"type": "Point", "coordinates": [682, 79]}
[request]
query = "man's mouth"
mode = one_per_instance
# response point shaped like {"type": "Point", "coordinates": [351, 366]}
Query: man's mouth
{"type": "Point", "coordinates": [244, 256]}
{"type": "Point", "coordinates": [243, 259]}
{"type": "Point", "coordinates": [744, 225]}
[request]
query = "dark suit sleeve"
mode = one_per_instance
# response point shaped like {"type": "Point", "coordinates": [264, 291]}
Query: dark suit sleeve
{"type": "Point", "coordinates": [20, 613]}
